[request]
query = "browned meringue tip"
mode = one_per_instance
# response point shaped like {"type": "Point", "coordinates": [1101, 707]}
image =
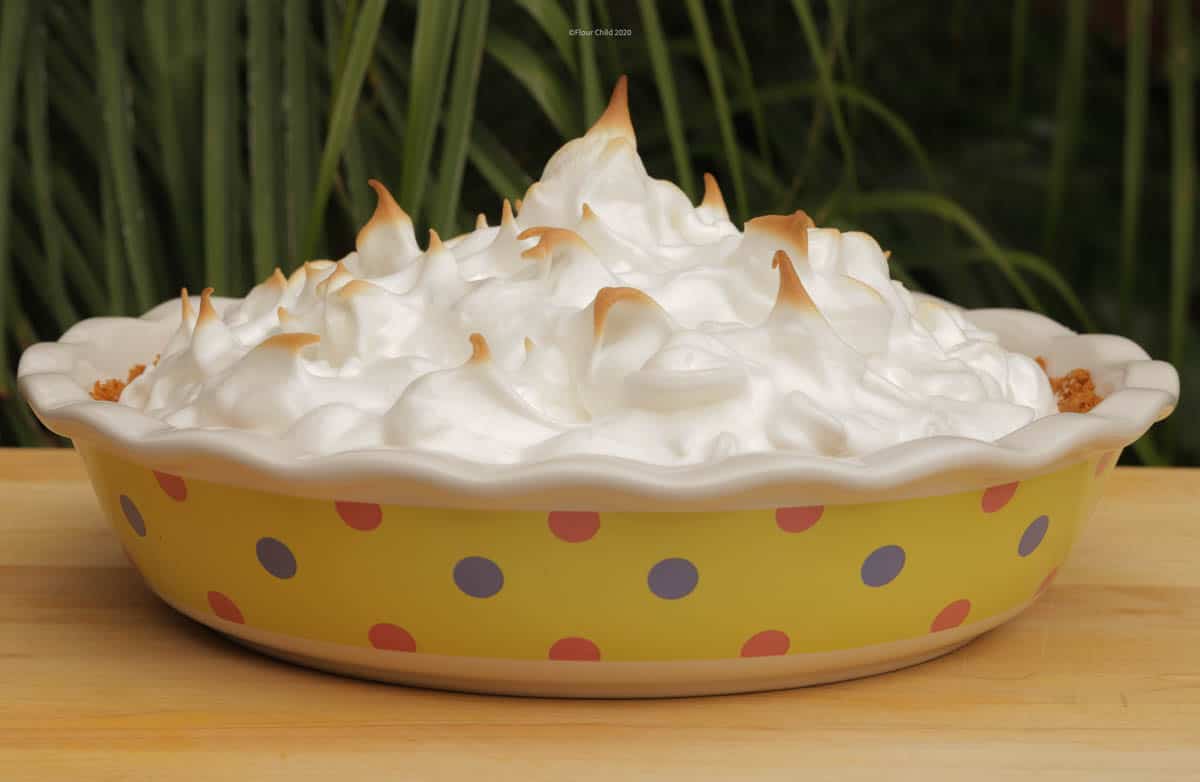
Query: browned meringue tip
{"type": "Point", "coordinates": [793, 227]}
{"type": "Point", "coordinates": [586, 212]}
{"type": "Point", "coordinates": [207, 312]}
{"type": "Point", "coordinates": [529, 346]}
{"type": "Point", "coordinates": [480, 221]}
{"type": "Point", "coordinates": [615, 119]}
{"type": "Point", "coordinates": [276, 280]}
{"type": "Point", "coordinates": [292, 342]}
{"type": "Point", "coordinates": [791, 290]}
{"type": "Point", "coordinates": [480, 352]}
{"type": "Point", "coordinates": [386, 211]}
{"type": "Point", "coordinates": [283, 315]}
{"type": "Point", "coordinates": [550, 239]}
{"type": "Point", "coordinates": [887, 255]}
{"type": "Point", "coordinates": [607, 298]}
{"type": "Point", "coordinates": [712, 195]}
{"type": "Point", "coordinates": [520, 202]}
{"type": "Point", "coordinates": [506, 213]}
{"type": "Point", "coordinates": [435, 242]}
{"type": "Point", "coordinates": [186, 305]}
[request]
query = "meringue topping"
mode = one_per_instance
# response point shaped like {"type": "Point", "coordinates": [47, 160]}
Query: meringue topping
{"type": "Point", "coordinates": [609, 316]}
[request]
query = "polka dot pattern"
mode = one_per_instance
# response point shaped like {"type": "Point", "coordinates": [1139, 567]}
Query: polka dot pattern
{"type": "Point", "coordinates": [478, 576]}
{"type": "Point", "coordinates": [225, 608]}
{"type": "Point", "coordinates": [951, 616]}
{"type": "Point", "coordinates": [174, 486]}
{"type": "Point", "coordinates": [362, 516]}
{"type": "Point", "coordinates": [390, 637]}
{"type": "Point", "coordinates": [882, 566]}
{"type": "Point", "coordinates": [673, 578]}
{"type": "Point", "coordinates": [798, 519]}
{"type": "Point", "coordinates": [997, 497]}
{"type": "Point", "coordinates": [768, 643]}
{"type": "Point", "coordinates": [577, 649]}
{"type": "Point", "coordinates": [275, 557]}
{"type": "Point", "coordinates": [1033, 535]}
{"type": "Point", "coordinates": [133, 516]}
{"type": "Point", "coordinates": [574, 526]}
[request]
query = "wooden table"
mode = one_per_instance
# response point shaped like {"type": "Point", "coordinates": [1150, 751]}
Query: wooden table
{"type": "Point", "coordinates": [98, 680]}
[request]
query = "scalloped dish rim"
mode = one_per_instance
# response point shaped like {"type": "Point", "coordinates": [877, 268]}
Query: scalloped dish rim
{"type": "Point", "coordinates": [1138, 391]}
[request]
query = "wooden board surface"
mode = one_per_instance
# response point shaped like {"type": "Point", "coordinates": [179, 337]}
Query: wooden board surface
{"type": "Point", "coordinates": [98, 680]}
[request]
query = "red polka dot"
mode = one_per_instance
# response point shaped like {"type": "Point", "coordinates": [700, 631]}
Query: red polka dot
{"type": "Point", "coordinates": [997, 497]}
{"type": "Point", "coordinates": [363, 516]}
{"type": "Point", "coordinates": [173, 485]}
{"type": "Point", "coordinates": [798, 519]}
{"type": "Point", "coordinates": [951, 616]}
{"type": "Point", "coordinates": [1108, 459]}
{"type": "Point", "coordinates": [225, 608]}
{"type": "Point", "coordinates": [580, 649]}
{"type": "Point", "coordinates": [766, 644]}
{"type": "Point", "coordinates": [574, 526]}
{"type": "Point", "coordinates": [392, 638]}
{"type": "Point", "coordinates": [1046, 581]}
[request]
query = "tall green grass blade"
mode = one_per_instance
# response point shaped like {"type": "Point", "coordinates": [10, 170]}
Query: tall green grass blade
{"type": "Point", "coordinates": [1016, 61]}
{"type": "Point", "coordinates": [716, 85]}
{"type": "Point", "coordinates": [496, 164]}
{"type": "Point", "coordinates": [472, 33]}
{"type": "Point", "coordinates": [593, 100]}
{"type": "Point", "coordinates": [352, 188]}
{"type": "Point", "coordinates": [748, 90]}
{"type": "Point", "coordinates": [945, 209]}
{"type": "Point", "coordinates": [14, 21]}
{"type": "Point", "coordinates": [219, 152]}
{"type": "Point", "coordinates": [159, 23]}
{"type": "Point", "coordinates": [539, 78]}
{"type": "Point", "coordinates": [612, 58]}
{"type": "Point", "coordinates": [341, 114]}
{"type": "Point", "coordinates": [1067, 122]}
{"type": "Point", "coordinates": [824, 68]}
{"type": "Point", "coordinates": [555, 23]}
{"type": "Point", "coordinates": [299, 138]}
{"type": "Point", "coordinates": [1137, 61]}
{"type": "Point", "coordinates": [1043, 270]}
{"type": "Point", "coordinates": [114, 258]}
{"type": "Point", "coordinates": [107, 28]}
{"type": "Point", "coordinates": [436, 21]}
{"type": "Point", "coordinates": [49, 277]}
{"type": "Point", "coordinates": [660, 62]}
{"type": "Point", "coordinates": [264, 65]}
{"type": "Point", "coordinates": [1181, 54]}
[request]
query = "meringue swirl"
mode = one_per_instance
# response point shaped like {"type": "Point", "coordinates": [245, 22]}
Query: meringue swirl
{"type": "Point", "coordinates": [610, 316]}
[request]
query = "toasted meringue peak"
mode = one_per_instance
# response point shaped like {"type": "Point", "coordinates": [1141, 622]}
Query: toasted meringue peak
{"type": "Point", "coordinates": [607, 298]}
{"type": "Point", "coordinates": [791, 290]}
{"type": "Point", "coordinates": [480, 352]}
{"type": "Point", "coordinates": [208, 313]}
{"type": "Point", "coordinates": [887, 255]}
{"type": "Point", "coordinates": [387, 211]}
{"type": "Point", "coordinates": [792, 228]}
{"type": "Point", "coordinates": [712, 195]}
{"type": "Point", "coordinates": [292, 342]}
{"type": "Point", "coordinates": [480, 221]}
{"type": "Point", "coordinates": [550, 240]}
{"type": "Point", "coordinates": [616, 120]}
{"type": "Point", "coordinates": [187, 312]}
{"type": "Point", "coordinates": [660, 332]}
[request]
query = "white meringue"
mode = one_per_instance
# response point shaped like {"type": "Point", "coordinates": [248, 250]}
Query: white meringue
{"type": "Point", "coordinates": [611, 316]}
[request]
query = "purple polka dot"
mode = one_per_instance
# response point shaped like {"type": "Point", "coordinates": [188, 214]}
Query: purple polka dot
{"type": "Point", "coordinates": [133, 516]}
{"type": "Point", "coordinates": [478, 576]}
{"type": "Point", "coordinates": [276, 558]}
{"type": "Point", "coordinates": [882, 566]}
{"type": "Point", "coordinates": [1033, 535]}
{"type": "Point", "coordinates": [673, 578]}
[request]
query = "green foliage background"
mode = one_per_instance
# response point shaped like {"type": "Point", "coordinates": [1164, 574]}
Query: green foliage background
{"type": "Point", "coordinates": [1032, 153]}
